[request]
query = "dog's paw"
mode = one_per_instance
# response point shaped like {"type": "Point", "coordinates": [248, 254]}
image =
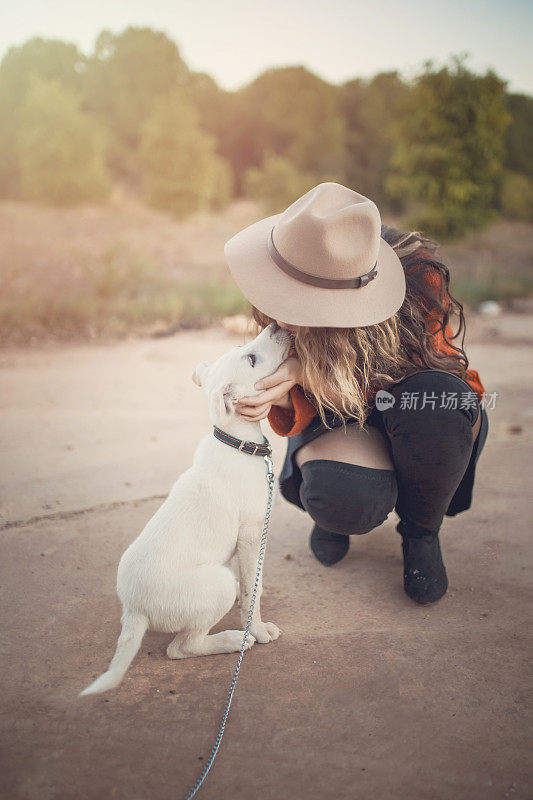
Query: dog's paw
{"type": "Point", "coordinates": [265, 632]}
{"type": "Point", "coordinates": [234, 639]}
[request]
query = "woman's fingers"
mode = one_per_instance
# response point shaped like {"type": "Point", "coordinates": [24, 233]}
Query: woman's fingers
{"type": "Point", "coordinates": [257, 413]}
{"type": "Point", "coordinates": [288, 369]}
{"type": "Point", "coordinates": [268, 396]}
{"type": "Point", "coordinates": [281, 374]}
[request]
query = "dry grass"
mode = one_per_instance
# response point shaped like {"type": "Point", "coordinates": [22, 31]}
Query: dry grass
{"type": "Point", "coordinates": [494, 264]}
{"type": "Point", "coordinates": [108, 271]}
{"type": "Point", "coordinates": [124, 269]}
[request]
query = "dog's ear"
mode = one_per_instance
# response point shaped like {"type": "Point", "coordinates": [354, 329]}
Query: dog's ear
{"type": "Point", "coordinates": [200, 372]}
{"type": "Point", "coordinates": [220, 402]}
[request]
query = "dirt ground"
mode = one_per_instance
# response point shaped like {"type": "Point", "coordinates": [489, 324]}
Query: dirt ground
{"type": "Point", "coordinates": [366, 694]}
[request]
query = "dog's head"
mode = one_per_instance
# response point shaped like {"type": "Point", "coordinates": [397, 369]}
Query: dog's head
{"type": "Point", "coordinates": [235, 374]}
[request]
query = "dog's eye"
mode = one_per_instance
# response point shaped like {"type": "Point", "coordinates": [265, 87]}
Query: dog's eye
{"type": "Point", "coordinates": [252, 358]}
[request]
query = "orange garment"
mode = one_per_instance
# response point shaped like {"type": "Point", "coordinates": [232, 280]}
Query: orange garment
{"type": "Point", "coordinates": [288, 422]}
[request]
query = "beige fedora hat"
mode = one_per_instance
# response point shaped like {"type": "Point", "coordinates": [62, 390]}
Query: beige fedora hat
{"type": "Point", "coordinates": [321, 263]}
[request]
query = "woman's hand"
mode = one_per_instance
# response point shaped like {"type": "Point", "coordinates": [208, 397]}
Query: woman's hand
{"type": "Point", "coordinates": [276, 386]}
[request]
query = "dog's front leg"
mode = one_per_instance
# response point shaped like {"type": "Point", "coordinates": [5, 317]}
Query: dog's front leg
{"type": "Point", "coordinates": [248, 554]}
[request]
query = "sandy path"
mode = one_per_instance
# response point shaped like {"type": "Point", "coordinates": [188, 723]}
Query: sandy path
{"type": "Point", "coordinates": [365, 695]}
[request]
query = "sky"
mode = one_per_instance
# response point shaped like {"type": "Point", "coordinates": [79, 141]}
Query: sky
{"type": "Point", "coordinates": [236, 40]}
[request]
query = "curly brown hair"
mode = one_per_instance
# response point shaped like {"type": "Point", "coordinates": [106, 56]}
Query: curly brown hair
{"type": "Point", "coordinates": [342, 367]}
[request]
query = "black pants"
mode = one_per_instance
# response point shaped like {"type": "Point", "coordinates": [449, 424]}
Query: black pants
{"type": "Point", "coordinates": [431, 447]}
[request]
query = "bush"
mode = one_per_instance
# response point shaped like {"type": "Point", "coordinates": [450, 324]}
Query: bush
{"type": "Point", "coordinates": [492, 285]}
{"type": "Point", "coordinates": [223, 185]}
{"type": "Point", "coordinates": [276, 184]}
{"type": "Point", "coordinates": [124, 292]}
{"type": "Point", "coordinates": [60, 149]}
{"type": "Point", "coordinates": [516, 199]}
{"type": "Point", "coordinates": [449, 149]}
{"type": "Point", "coordinates": [182, 172]}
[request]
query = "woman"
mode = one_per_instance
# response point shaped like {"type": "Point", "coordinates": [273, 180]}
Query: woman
{"type": "Point", "coordinates": [380, 408]}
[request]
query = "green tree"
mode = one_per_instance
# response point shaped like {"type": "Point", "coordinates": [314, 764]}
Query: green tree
{"type": "Point", "coordinates": [126, 75]}
{"type": "Point", "coordinates": [60, 151]}
{"type": "Point", "coordinates": [221, 116]}
{"type": "Point", "coordinates": [517, 196]}
{"type": "Point", "coordinates": [48, 58]}
{"type": "Point", "coordinates": [212, 103]}
{"type": "Point", "coordinates": [517, 189]}
{"type": "Point", "coordinates": [277, 183]}
{"type": "Point", "coordinates": [519, 134]}
{"type": "Point", "coordinates": [222, 184]}
{"type": "Point", "coordinates": [288, 112]}
{"type": "Point", "coordinates": [182, 172]}
{"type": "Point", "coordinates": [370, 108]}
{"type": "Point", "coordinates": [449, 149]}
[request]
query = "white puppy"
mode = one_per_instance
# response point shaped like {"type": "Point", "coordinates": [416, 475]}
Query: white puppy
{"type": "Point", "coordinates": [175, 576]}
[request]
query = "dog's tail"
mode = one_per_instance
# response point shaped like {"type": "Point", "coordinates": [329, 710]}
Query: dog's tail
{"type": "Point", "coordinates": [133, 629]}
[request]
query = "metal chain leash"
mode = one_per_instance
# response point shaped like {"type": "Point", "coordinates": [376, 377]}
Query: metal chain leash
{"type": "Point", "coordinates": [214, 751]}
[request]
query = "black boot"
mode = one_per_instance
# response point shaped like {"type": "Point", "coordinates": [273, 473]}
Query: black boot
{"type": "Point", "coordinates": [328, 547]}
{"type": "Point", "coordinates": [424, 573]}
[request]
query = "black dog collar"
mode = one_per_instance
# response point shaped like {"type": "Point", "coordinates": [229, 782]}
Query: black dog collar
{"type": "Point", "coordinates": [243, 446]}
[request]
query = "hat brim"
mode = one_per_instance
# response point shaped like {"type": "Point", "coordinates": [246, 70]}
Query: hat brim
{"type": "Point", "coordinates": [286, 299]}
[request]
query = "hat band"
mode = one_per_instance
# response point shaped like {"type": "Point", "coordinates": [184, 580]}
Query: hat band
{"type": "Point", "coordinates": [316, 280]}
